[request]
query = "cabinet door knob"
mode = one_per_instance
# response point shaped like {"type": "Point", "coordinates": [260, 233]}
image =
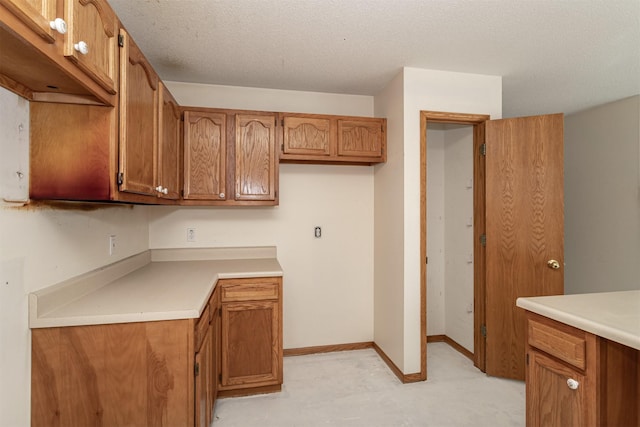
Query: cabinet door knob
{"type": "Point", "coordinates": [572, 384]}
{"type": "Point", "coordinates": [59, 25]}
{"type": "Point", "coordinates": [81, 47]}
{"type": "Point", "coordinates": [165, 190]}
{"type": "Point", "coordinates": [221, 195]}
{"type": "Point", "coordinates": [159, 188]}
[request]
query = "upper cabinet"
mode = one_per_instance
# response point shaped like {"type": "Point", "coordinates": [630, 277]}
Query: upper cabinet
{"type": "Point", "coordinates": [138, 120]}
{"type": "Point", "coordinates": [59, 51]}
{"type": "Point", "coordinates": [312, 138]}
{"type": "Point", "coordinates": [169, 136]}
{"type": "Point", "coordinates": [91, 40]}
{"type": "Point", "coordinates": [230, 157]}
{"type": "Point", "coordinates": [255, 152]}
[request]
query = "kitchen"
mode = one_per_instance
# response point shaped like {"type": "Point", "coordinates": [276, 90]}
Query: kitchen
{"type": "Point", "coordinates": [331, 278]}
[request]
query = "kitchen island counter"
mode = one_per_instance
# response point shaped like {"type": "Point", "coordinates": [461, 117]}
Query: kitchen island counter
{"type": "Point", "coordinates": [611, 315]}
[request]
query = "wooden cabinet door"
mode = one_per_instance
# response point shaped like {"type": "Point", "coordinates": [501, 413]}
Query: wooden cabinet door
{"type": "Point", "coordinates": [550, 400]}
{"type": "Point", "coordinates": [36, 14]}
{"type": "Point", "coordinates": [91, 40]}
{"type": "Point", "coordinates": [205, 155]}
{"type": "Point", "coordinates": [168, 179]}
{"type": "Point", "coordinates": [255, 166]}
{"type": "Point", "coordinates": [203, 382]}
{"type": "Point", "coordinates": [138, 120]}
{"type": "Point", "coordinates": [361, 137]}
{"type": "Point", "coordinates": [306, 136]}
{"type": "Point", "coordinates": [250, 344]}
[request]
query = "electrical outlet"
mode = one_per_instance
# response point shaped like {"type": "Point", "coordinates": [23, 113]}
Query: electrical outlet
{"type": "Point", "coordinates": [112, 244]}
{"type": "Point", "coordinates": [191, 234]}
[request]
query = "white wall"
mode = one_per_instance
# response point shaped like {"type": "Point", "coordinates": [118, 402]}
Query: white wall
{"type": "Point", "coordinates": [602, 198]}
{"type": "Point", "coordinates": [389, 226]}
{"type": "Point", "coordinates": [39, 247]}
{"type": "Point", "coordinates": [421, 90]}
{"type": "Point", "coordinates": [458, 213]}
{"type": "Point", "coordinates": [449, 235]}
{"type": "Point", "coordinates": [435, 231]}
{"type": "Point", "coordinates": [328, 282]}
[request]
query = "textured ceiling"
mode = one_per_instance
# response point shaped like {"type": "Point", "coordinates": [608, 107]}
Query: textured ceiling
{"type": "Point", "coordinates": [554, 55]}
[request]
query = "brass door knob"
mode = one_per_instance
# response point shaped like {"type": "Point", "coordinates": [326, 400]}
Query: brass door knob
{"type": "Point", "coordinates": [553, 264]}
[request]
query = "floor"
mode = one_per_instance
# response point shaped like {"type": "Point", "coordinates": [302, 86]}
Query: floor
{"type": "Point", "coordinates": [356, 388]}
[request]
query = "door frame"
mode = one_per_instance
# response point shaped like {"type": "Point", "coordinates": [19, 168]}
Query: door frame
{"type": "Point", "coordinates": [479, 223]}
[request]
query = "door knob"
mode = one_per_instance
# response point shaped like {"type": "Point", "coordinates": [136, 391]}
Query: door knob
{"type": "Point", "coordinates": [553, 264]}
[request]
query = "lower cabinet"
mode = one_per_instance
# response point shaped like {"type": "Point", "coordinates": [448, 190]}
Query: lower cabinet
{"type": "Point", "coordinates": [163, 373]}
{"type": "Point", "coordinates": [251, 336]}
{"type": "Point", "coordinates": [575, 378]}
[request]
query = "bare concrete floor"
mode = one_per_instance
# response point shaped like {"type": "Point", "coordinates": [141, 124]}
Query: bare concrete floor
{"type": "Point", "coordinates": [356, 388]}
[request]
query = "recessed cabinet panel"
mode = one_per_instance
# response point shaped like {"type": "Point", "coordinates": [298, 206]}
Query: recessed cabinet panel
{"type": "Point", "coordinates": [306, 135]}
{"type": "Point", "coordinates": [138, 120]}
{"type": "Point", "coordinates": [91, 40]}
{"type": "Point", "coordinates": [204, 155]}
{"type": "Point", "coordinates": [360, 138]}
{"type": "Point", "coordinates": [255, 157]}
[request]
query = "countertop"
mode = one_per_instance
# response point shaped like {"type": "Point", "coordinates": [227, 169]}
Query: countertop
{"type": "Point", "coordinates": [164, 284]}
{"type": "Point", "coordinates": [611, 315]}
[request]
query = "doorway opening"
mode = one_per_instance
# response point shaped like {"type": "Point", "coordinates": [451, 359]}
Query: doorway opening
{"type": "Point", "coordinates": [466, 206]}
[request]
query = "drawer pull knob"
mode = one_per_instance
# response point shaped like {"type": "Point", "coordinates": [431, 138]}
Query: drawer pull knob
{"type": "Point", "coordinates": [572, 384]}
{"type": "Point", "coordinates": [81, 47]}
{"type": "Point", "coordinates": [59, 25]}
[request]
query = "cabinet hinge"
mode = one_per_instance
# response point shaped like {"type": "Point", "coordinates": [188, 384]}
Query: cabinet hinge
{"type": "Point", "coordinates": [483, 331]}
{"type": "Point", "coordinates": [483, 240]}
{"type": "Point", "coordinates": [483, 149]}
{"type": "Point", "coordinates": [196, 369]}
{"type": "Point", "coordinates": [220, 377]}
{"type": "Point", "coordinates": [527, 359]}
{"type": "Point", "coordinates": [282, 122]}
{"type": "Point", "coordinates": [120, 40]}
{"type": "Point", "coordinates": [426, 260]}
{"type": "Point", "coordinates": [120, 178]}
{"type": "Point", "coordinates": [282, 146]}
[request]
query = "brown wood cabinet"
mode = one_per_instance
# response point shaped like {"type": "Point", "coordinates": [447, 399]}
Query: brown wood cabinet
{"type": "Point", "coordinates": [169, 142]}
{"type": "Point", "coordinates": [96, 153]}
{"type": "Point", "coordinates": [575, 378]}
{"type": "Point", "coordinates": [251, 336]}
{"type": "Point", "coordinates": [313, 138]}
{"type": "Point", "coordinates": [230, 157]}
{"type": "Point", "coordinates": [138, 374]}
{"type": "Point", "coordinates": [43, 64]}
{"type": "Point", "coordinates": [138, 120]}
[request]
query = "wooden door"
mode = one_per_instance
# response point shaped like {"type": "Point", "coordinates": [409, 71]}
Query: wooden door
{"type": "Point", "coordinates": [36, 14]}
{"type": "Point", "coordinates": [524, 230]}
{"type": "Point", "coordinates": [360, 138]}
{"type": "Point", "coordinates": [256, 166]}
{"type": "Point", "coordinates": [91, 40]}
{"type": "Point", "coordinates": [205, 139]}
{"type": "Point", "coordinates": [250, 344]}
{"type": "Point", "coordinates": [168, 180]}
{"type": "Point", "coordinates": [138, 120]}
{"type": "Point", "coordinates": [550, 402]}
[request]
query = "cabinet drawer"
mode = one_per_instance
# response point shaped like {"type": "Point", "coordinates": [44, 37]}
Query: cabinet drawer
{"type": "Point", "coordinates": [201, 326]}
{"type": "Point", "coordinates": [247, 290]}
{"type": "Point", "coordinates": [558, 342]}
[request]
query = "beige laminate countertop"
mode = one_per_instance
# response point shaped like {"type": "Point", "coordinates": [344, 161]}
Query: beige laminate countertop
{"type": "Point", "coordinates": [611, 315]}
{"type": "Point", "coordinates": [154, 285]}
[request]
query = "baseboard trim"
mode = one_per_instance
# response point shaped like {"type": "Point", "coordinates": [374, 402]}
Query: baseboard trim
{"type": "Point", "coordinates": [452, 343]}
{"type": "Point", "coordinates": [302, 351]}
{"type": "Point", "coordinates": [404, 378]}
